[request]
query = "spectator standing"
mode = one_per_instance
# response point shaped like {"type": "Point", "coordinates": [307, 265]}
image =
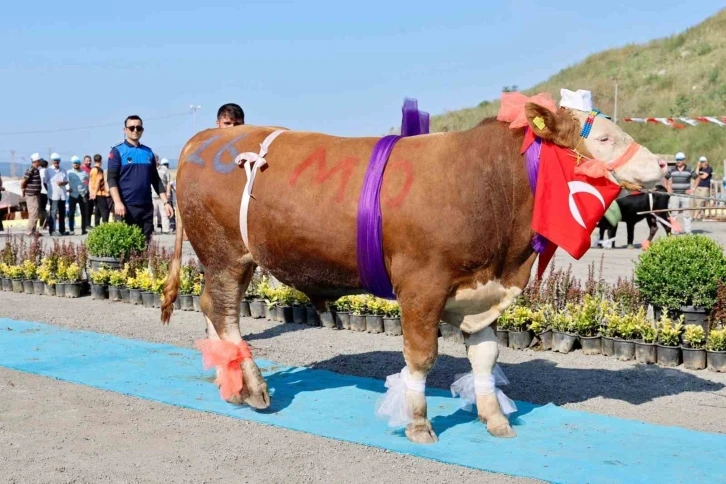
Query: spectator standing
{"type": "Point", "coordinates": [98, 192]}
{"type": "Point", "coordinates": [31, 186]}
{"type": "Point", "coordinates": [131, 171]}
{"type": "Point", "coordinates": [87, 166]}
{"type": "Point", "coordinates": [680, 181]}
{"type": "Point", "coordinates": [159, 211]}
{"type": "Point", "coordinates": [703, 189]}
{"type": "Point", "coordinates": [229, 115]}
{"type": "Point", "coordinates": [78, 196]}
{"type": "Point", "coordinates": [2, 229]}
{"type": "Point", "coordinates": [43, 210]}
{"type": "Point", "coordinates": [56, 180]}
{"type": "Point", "coordinates": [171, 195]}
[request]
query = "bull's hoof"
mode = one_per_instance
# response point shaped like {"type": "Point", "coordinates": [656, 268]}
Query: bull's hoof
{"type": "Point", "coordinates": [259, 401]}
{"type": "Point", "coordinates": [498, 425]}
{"type": "Point", "coordinates": [239, 398]}
{"type": "Point", "coordinates": [502, 431]}
{"type": "Point", "coordinates": [421, 433]}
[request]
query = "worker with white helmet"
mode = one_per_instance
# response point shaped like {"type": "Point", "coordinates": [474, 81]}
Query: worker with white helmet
{"type": "Point", "coordinates": [681, 181]}
{"type": "Point", "coordinates": [703, 188]}
{"type": "Point", "coordinates": [56, 180]}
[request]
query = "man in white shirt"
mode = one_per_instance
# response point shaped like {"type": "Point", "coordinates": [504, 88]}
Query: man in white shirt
{"type": "Point", "coordinates": [159, 212]}
{"type": "Point", "coordinates": [56, 180]}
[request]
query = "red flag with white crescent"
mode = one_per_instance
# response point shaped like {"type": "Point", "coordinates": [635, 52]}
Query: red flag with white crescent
{"type": "Point", "coordinates": [567, 206]}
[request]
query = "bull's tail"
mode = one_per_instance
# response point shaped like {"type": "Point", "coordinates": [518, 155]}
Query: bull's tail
{"type": "Point", "coordinates": [171, 286]}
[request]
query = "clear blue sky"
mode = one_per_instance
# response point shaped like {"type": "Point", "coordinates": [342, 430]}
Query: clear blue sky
{"type": "Point", "coordinates": [307, 65]}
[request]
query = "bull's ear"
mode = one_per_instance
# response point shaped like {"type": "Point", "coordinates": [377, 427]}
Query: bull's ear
{"type": "Point", "coordinates": [559, 127]}
{"type": "Point", "coordinates": [541, 120]}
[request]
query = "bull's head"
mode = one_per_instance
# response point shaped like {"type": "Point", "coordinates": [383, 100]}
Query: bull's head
{"type": "Point", "coordinates": [627, 163]}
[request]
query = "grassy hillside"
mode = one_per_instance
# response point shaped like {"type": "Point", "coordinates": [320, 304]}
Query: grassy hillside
{"type": "Point", "coordinates": [682, 75]}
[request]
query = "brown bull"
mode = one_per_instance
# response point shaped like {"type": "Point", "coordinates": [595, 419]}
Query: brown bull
{"type": "Point", "coordinates": [456, 210]}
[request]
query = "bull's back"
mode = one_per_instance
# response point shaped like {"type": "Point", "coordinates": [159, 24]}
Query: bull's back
{"type": "Point", "coordinates": [302, 223]}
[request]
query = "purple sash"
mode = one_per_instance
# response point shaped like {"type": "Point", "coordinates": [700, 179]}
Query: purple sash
{"type": "Point", "coordinates": [371, 267]}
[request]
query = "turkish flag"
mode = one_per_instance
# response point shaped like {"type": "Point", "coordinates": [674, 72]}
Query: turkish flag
{"type": "Point", "coordinates": [567, 206]}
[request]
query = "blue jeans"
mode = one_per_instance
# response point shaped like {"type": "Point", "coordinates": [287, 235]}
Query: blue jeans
{"type": "Point", "coordinates": [57, 208]}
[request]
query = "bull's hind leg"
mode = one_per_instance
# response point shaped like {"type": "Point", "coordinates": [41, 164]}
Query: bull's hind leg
{"type": "Point", "coordinates": [220, 301]}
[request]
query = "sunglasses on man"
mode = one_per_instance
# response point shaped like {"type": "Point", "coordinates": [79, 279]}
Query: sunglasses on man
{"type": "Point", "coordinates": [140, 129]}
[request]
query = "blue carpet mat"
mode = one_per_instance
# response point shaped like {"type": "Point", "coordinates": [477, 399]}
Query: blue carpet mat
{"type": "Point", "coordinates": [553, 444]}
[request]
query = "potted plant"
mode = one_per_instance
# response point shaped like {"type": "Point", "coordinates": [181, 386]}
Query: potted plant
{"type": "Point", "coordinates": [628, 330]}
{"type": "Point", "coordinates": [73, 281]}
{"type": "Point", "coordinates": [392, 318]}
{"type": "Point", "coordinates": [46, 274]}
{"type": "Point", "coordinates": [60, 277]}
{"type": "Point", "coordinates": [311, 314]}
{"type": "Point", "coordinates": [358, 310]}
{"type": "Point", "coordinates": [113, 242]}
{"type": "Point", "coordinates": [609, 330]}
{"type": "Point", "coordinates": [116, 281]}
{"type": "Point", "coordinates": [29, 270]}
{"type": "Point", "coordinates": [299, 311]}
{"type": "Point", "coordinates": [520, 337]}
{"type": "Point", "coordinates": [563, 326]}
{"type": "Point", "coordinates": [197, 292]}
{"type": "Point", "coordinates": [374, 316]}
{"type": "Point", "coordinates": [669, 333]}
{"type": "Point", "coordinates": [15, 273]}
{"type": "Point", "coordinates": [645, 349]}
{"type": "Point", "coordinates": [157, 288]}
{"type": "Point", "coordinates": [145, 282]}
{"type": "Point", "coordinates": [38, 284]}
{"type": "Point", "coordinates": [716, 350]}
{"type": "Point", "coordinates": [256, 292]}
{"type": "Point", "coordinates": [134, 290]}
{"type": "Point", "coordinates": [7, 283]}
{"type": "Point", "coordinates": [341, 312]}
{"type": "Point", "coordinates": [682, 273]}
{"type": "Point", "coordinates": [286, 298]}
{"type": "Point", "coordinates": [693, 347]}
{"type": "Point", "coordinates": [503, 325]}
{"type": "Point", "coordinates": [99, 283]}
{"type": "Point", "coordinates": [587, 325]}
{"type": "Point", "coordinates": [540, 326]}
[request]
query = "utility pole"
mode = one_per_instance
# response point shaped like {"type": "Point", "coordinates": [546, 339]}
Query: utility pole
{"type": "Point", "coordinates": [615, 109]}
{"type": "Point", "coordinates": [12, 163]}
{"type": "Point", "coordinates": [194, 108]}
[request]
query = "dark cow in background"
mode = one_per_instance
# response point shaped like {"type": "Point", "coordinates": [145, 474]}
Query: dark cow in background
{"type": "Point", "coordinates": [629, 208]}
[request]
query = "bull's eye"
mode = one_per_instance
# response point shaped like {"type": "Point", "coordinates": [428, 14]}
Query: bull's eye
{"type": "Point", "coordinates": [603, 139]}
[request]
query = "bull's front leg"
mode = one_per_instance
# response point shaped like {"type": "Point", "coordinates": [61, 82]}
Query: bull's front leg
{"type": "Point", "coordinates": [405, 400]}
{"type": "Point", "coordinates": [483, 351]}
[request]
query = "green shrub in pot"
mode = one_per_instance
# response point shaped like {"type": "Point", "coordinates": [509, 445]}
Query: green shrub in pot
{"type": "Point", "coordinates": [681, 271]}
{"type": "Point", "coordinates": [669, 332]}
{"type": "Point", "coordinates": [717, 340]}
{"type": "Point", "coordinates": [115, 240]}
{"type": "Point", "coordinates": [694, 336]}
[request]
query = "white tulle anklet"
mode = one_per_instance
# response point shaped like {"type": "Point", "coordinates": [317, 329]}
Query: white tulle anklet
{"type": "Point", "coordinates": [393, 405]}
{"type": "Point", "coordinates": [467, 387]}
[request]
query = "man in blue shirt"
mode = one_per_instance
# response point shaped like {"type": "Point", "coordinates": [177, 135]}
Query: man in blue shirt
{"type": "Point", "coordinates": [131, 171]}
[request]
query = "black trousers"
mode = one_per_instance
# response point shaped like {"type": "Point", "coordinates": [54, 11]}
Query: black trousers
{"type": "Point", "coordinates": [100, 210]}
{"type": "Point", "coordinates": [141, 216]}
{"type": "Point", "coordinates": [57, 209]}
{"type": "Point", "coordinates": [82, 203]}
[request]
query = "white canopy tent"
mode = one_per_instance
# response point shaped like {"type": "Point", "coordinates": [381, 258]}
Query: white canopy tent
{"type": "Point", "coordinates": [12, 195]}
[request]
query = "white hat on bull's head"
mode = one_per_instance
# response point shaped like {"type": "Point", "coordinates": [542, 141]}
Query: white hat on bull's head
{"type": "Point", "coordinates": [580, 100]}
